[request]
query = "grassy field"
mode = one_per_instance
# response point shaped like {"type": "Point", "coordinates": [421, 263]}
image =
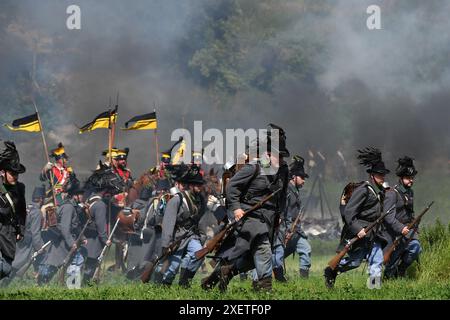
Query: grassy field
{"type": "Point", "coordinates": [430, 281]}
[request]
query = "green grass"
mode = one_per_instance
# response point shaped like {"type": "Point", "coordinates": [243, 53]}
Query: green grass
{"type": "Point", "coordinates": [430, 282]}
{"type": "Point", "coordinates": [348, 286]}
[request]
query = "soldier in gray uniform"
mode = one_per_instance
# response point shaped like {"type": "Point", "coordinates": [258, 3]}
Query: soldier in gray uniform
{"type": "Point", "coordinates": [407, 251]}
{"type": "Point", "coordinates": [256, 231]}
{"type": "Point", "coordinates": [181, 218]}
{"type": "Point", "coordinates": [298, 241]}
{"type": "Point", "coordinates": [64, 235]}
{"type": "Point", "coordinates": [135, 242]}
{"type": "Point", "coordinates": [148, 226]}
{"type": "Point", "coordinates": [367, 203]}
{"type": "Point", "coordinates": [12, 206]}
{"type": "Point", "coordinates": [96, 233]}
{"type": "Point", "coordinates": [32, 240]}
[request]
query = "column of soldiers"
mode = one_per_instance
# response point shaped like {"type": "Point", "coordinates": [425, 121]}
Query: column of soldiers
{"type": "Point", "coordinates": [159, 219]}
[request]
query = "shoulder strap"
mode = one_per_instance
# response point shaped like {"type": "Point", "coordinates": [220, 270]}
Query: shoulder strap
{"type": "Point", "coordinates": [371, 189]}
{"type": "Point", "coordinates": [8, 197]}
{"type": "Point", "coordinates": [181, 201]}
{"type": "Point", "coordinates": [255, 174]}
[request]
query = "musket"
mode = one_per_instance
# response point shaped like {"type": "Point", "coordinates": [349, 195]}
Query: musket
{"type": "Point", "coordinates": [68, 259]}
{"type": "Point", "coordinates": [219, 238]}
{"type": "Point", "coordinates": [96, 276]}
{"type": "Point", "coordinates": [333, 263]}
{"type": "Point", "coordinates": [173, 246]}
{"type": "Point", "coordinates": [291, 231]}
{"type": "Point", "coordinates": [24, 269]}
{"type": "Point", "coordinates": [414, 224]}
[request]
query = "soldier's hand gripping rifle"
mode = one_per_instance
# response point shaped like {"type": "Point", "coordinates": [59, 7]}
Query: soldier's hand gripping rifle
{"type": "Point", "coordinates": [96, 276]}
{"type": "Point", "coordinates": [24, 269]}
{"type": "Point", "coordinates": [414, 224]}
{"type": "Point", "coordinates": [333, 263]}
{"type": "Point", "coordinates": [173, 246]}
{"type": "Point", "coordinates": [68, 259]}
{"type": "Point", "coordinates": [291, 231]}
{"type": "Point", "coordinates": [218, 239]}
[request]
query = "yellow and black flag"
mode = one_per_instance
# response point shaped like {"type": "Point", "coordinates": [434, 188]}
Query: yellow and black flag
{"type": "Point", "coordinates": [102, 121]}
{"type": "Point", "coordinates": [29, 123]}
{"type": "Point", "coordinates": [143, 122]}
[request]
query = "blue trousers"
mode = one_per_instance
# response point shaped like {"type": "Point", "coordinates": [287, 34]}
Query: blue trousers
{"type": "Point", "coordinates": [185, 258]}
{"type": "Point", "coordinates": [5, 266]}
{"type": "Point", "coordinates": [297, 244]}
{"type": "Point", "coordinates": [374, 255]}
{"type": "Point", "coordinates": [405, 255]}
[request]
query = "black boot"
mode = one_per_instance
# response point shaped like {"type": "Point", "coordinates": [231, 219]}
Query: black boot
{"type": "Point", "coordinates": [210, 281]}
{"type": "Point", "coordinates": [158, 277]}
{"type": "Point", "coordinates": [243, 276]}
{"type": "Point", "coordinates": [304, 273]}
{"type": "Point", "coordinates": [402, 267]}
{"type": "Point", "coordinates": [227, 272]}
{"type": "Point", "coordinates": [330, 277]}
{"type": "Point", "coordinates": [264, 284]}
{"type": "Point", "coordinates": [278, 272]}
{"type": "Point", "coordinates": [390, 273]}
{"type": "Point", "coordinates": [185, 278]}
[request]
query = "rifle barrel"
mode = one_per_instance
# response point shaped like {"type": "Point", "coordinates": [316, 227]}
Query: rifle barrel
{"type": "Point", "coordinates": [416, 221]}
{"type": "Point", "coordinates": [335, 261]}
{"type": "Point", "coordinates": [218, 239]}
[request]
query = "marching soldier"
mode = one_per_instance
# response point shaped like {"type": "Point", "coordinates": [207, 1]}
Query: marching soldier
{"type": "Point", "coordinates": [32, 240]}
{"type": "Point", "coordinates": [64, 235]}
{"type": "Point", "coordinates": [408, 251]}
{"type": "Point", "coordinates": [181, 218]}
{"type": "Point", "coordinates": [152, 220]}
{"type": "Point", "coordinates": [135, 241]}
{"type": "Point", "coordinates": [59, 172]}
{"type": "Point", "coordinates": [12, 206]}
{"type": "Point", "coordinates": [247, 187]}
{"type": "Point", "coordinates": [96, 235]}
{"type": "Point", "coordinates": [298, 241]}
{"type": "Point", "coordinates": [367, 203]}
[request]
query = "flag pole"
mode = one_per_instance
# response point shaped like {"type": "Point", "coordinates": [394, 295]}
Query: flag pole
{"type": "Point", "coordinates": [109, 136]}
{"type": "Point", "coordinates": [46, 151]}
{"type": "Point", "coordinates": [156, 138]}
{"type": "Point", "coordinates": [113, 132]}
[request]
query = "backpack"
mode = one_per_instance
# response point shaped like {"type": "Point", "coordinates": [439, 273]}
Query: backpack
{"type": "Point", "coordinates": [346, 195]}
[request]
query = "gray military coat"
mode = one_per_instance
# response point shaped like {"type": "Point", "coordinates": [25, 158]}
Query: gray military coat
{"type": "Point", "coordinates": [95, 233]}
{"type": "Point", "coordinates": [32, 240]}
{"type": "Point", "coordinates": [178, 219]}
{"type": "Point", "coordinates": [364, 207]}
{"type": "Point", "coordinates": [245, 189]}
{"type": "Point", "coordinates": [65, 234]}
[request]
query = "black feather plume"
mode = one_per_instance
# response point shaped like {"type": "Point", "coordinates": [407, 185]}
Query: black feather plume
{"type": "Point", "coordinates": [9, 153]}
{"type": "Point", "coordinates": [369, 156]}
{"type": "Point", "coordinates": [406, 162]}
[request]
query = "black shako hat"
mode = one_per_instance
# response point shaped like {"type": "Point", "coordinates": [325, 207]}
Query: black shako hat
{"type": "Point", "coordinates": [162, 185]}
{"type": "Point", "coordinates": [274, 141]}
{"type": "Point", "coordinates": [10, 160]}
{"type": "Point", "coordinates": [406, 167]}
{"type": "Point", "coordinates": [191, 175]}
{"type": "Point", "coordinates": [296, 167]}
{"type": "Point", "coordinates": [38, 192]}
{"type": "Point", "coordinates": [371, 158]}
{"type": "Point", "coordinates": [73, 186]}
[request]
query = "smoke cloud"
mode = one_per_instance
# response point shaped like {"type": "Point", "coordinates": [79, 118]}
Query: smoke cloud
{"type": "Point", "coordinates": [386, 88]}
